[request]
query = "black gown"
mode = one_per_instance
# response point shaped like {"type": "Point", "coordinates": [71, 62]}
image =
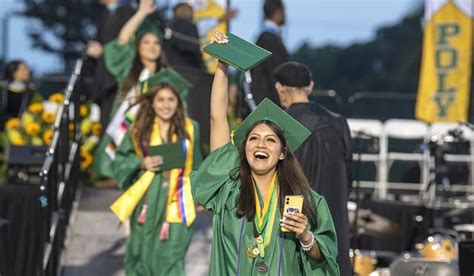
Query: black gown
{"type": "Point", "coordinates": [263, 85]}
{"type": "Point", "coordinates": [326, 159]}
{"type": "Point", "coordinates": [13, 103]}
{"type": "Point", "coordinates": [181, 52]}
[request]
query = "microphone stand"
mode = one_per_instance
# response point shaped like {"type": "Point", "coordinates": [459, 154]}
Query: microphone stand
{"type": "Point", "coordinates": [358, 135]}
{"type": "Point", "coordinates": [248, 96]}
{"type": "Point", "coordinates": [471, 152]}
{"type": "Point", "coordinates": [169, 33]}
{"type": "Point", "coordinates": [247, 82]}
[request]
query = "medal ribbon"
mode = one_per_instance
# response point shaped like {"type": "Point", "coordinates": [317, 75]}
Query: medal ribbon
{"type": "Point", "coordinates": [267, 215]}
{"type": "Point", "coordinates": [180, 207]}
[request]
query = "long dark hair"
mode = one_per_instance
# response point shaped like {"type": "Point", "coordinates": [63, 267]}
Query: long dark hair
{"type": "Point", "coordinates": [291, 179]}
{"type": "Point", "coordinates": [142, 126]}
{"type": "Point", "coordinates": [137, 67]}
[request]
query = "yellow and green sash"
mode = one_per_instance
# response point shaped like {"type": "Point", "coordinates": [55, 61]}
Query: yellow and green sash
{"type": "Point", "coordinates": [265, 218]}
{"type": "Point", "coordinates": [180, 203]}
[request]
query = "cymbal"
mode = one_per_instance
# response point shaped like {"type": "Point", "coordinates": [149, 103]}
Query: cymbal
{"type": "Point", "coordinates": [374, 225]}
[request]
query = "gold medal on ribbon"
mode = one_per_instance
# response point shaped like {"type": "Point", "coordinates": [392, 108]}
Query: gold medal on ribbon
{"type": "Point", "coordinates": [252, 251]}
{"type": "Point", "coordinates": [265, 215]}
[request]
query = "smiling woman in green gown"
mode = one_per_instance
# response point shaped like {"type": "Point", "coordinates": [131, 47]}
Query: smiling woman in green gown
{"type": "Point", "coordinates": [136, 55]}
{"type": "Point", "coordinates": [161, 222]}
{"type": "Point", "coordinates": [243, 184]}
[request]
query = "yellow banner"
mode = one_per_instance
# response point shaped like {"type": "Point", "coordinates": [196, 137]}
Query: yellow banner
{"type": "Point", "coordinates": [211, 11]}
{"type": "Point", "coordinates": [444, 85]}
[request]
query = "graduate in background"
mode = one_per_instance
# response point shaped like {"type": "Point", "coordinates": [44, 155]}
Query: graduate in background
{"type": "Point", "coordinates": [184, 52]}
{"type": "Point", "coordinates": [270, 38]}
{"type": "Point", "coordinates": [243, 184]}
{"type": "Point", "coordinates": [16, 92]}
{"type": "Point", "coordinates": [326, 157]}
{"type": "Point", "coordinates": [133, 57]}
{"type": "Point", "coordinates": [161, 224]}
{"type": "Point", "coordinates": [103, 84]}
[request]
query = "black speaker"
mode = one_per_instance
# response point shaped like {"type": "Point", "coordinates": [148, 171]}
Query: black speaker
{"type": "Point", "coordinates": [24, 163]}
{"type": "Point", "coordinates": [466, 258]}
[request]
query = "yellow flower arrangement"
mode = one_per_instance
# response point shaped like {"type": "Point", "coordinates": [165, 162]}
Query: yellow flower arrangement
{"type": "Point", "coordinates": [90, 143]}
{"type": "Point", "coordinates": [13, 123]}
{"type": "Point", "coordinates": [37, 141]}
{"type": "Point", "coordinates": [85, 127]}
{"type": "Point", "coordinates": [33, 129]}
{"type": "Point", "coordinates": [27, 118]}
{"type": "Point", "coordinates": [48, 136]}
{"type": "Point", "coordinates": [48, 117]}
{"type": "Point", "coordinates": [35, 108]}
{"type": "Point", "coordinates": [86, 159]}
{"type": "Point", "coordinates": [90, 129]}
{"type": "Point", "coordinates": [96, 129]}
{"type": "Point", "coordinates": [83, 110]}
{"type": "Point", "coordinates": [15, 137]}
{"type": "Point", "coordinates": [56, 97]}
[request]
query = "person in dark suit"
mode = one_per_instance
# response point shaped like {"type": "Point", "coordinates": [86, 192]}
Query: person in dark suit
{"type": "Point", "coordinates": [326, 156]}
{"type": "Point", "coordinates": [103, 86]}
{"type": "Point", "coordinates": [183, 49]}
{"type": "Point", "coordinates": [270, 39]}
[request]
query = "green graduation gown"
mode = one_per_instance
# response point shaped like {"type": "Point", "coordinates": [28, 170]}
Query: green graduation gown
{"type": "Point", "coordinates": [146, 254]}
{"type": "Point", "coordinates": [216, 191]}
{"type": "Point", "coordinates": [118, 61]}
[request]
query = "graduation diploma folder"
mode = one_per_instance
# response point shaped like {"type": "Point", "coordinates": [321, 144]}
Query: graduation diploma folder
{"type": "Point", "coordinates": [172, 153]}
{"type": "Point", "coordinates": [238, 52]}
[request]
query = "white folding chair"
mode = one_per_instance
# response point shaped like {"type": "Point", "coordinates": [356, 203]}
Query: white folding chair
{"type": "Point", "coordinates": [368, 128]}
{"type": "Point", "coordinates": [404, 129]}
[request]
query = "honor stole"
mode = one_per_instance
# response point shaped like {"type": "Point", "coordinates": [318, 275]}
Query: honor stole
{"type": "Point", "coordinates": [264, 219]}
{"type": "Point", "coordinates": [180, 204]}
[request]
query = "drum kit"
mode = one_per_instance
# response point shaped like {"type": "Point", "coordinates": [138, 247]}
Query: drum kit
{"type": "Point", "coordinates": [449, 218]}
{"type": "Point", "coordinates": [436, 255]}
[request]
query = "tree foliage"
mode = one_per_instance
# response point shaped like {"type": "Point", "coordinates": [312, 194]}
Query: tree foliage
{"type": "Point", "coordinates": [389, 63]}
{"type": "Point", "coordinates": [61, 27]}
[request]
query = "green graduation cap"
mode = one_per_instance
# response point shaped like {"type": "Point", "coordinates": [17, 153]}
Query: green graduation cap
{"type": "Point", "coordinates": [170, 77]}
{"type": "Point", "coordinates": [148, 26]}
{"type": "Point", "coordinates": [294, 132]}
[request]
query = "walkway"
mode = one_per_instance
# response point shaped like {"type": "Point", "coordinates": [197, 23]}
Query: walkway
{"type": "Point", "coordinates": [96, 246]}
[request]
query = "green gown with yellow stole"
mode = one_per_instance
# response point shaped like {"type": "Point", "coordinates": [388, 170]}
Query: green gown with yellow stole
{"type": "Point", "coordinates": [218, 192]}
{"type": "Point", "coordinates": [146, 254]}
{"type": "Point", "coordinates": [119, 61]}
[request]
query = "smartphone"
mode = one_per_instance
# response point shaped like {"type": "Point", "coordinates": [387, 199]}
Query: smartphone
{"type": "Point", "coordinates": [294, 204]}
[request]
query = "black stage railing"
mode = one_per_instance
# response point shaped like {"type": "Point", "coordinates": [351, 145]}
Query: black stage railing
{"type": "Point", "coordinates": [60, 176]}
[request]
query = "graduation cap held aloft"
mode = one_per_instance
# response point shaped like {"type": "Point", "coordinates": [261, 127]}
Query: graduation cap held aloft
{"type": "Point", "coordinates": [170, 77]}
{"type": "Point", "coordinates": [294, 132]}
